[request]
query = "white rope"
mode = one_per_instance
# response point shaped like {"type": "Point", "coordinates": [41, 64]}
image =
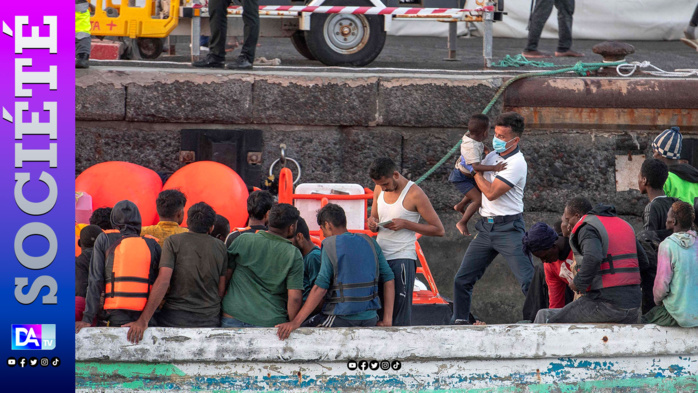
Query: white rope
{"type": "Point", "coordinates": [632, 67]}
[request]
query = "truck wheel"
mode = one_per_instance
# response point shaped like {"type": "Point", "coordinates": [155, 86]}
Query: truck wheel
{"type": "Point", "coordinates": [298, 40]}
{"type": "Point", "coordinates": [150, 48]}
{"type": "Point", "coordinates": [345, 39]}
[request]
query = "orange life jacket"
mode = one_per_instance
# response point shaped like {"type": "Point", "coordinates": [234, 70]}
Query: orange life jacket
{"type": "Point", "coordinates": [620, 267]}
{"type": "Point", "coordinates": [128, 275]}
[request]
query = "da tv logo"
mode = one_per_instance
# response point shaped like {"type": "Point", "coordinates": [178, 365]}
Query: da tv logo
{"type": "Point", "coordinates": [33, 337]}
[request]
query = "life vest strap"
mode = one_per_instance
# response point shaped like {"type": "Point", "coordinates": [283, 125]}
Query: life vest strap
{"type": "Point", "coordinates": [352, 299]}
{"type": "Point", "coordinates": [339, 287]}
{"type": "Point", "coordinates": [620, 270]}
{"type": "Point", "coordinates": [610, 257]}
{"type": "Point", "coordinates": [127, 294]}
{"type": "Point", "coordinates": [132, 279]}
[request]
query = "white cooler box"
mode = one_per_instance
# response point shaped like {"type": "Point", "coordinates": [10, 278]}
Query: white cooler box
{"type": "Point", "coordinates": [308, 208]}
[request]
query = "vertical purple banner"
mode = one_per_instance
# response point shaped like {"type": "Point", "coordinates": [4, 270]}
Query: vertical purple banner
{"type": "Point", "coordinates": [37, 176]}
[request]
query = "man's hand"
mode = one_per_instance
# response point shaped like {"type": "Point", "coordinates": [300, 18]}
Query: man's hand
{"type": "Point", "coordinates": [79, 325]}
{"type": "Point", "coordinates": [396, 224]}
{"type": "Point", "coordinates": [385, 323]}
{"type": "Point", "coordinates": [136, 330]}
{"type": "Point", "coordinates": [372, 224]}
{"type": "Point", "coordinates": [285, 329]}
{"type": "Point", "coordinates": [500, 167]}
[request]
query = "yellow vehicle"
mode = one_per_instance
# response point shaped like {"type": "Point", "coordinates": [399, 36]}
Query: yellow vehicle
{"type": "Point", "coordinates": [147, 21]}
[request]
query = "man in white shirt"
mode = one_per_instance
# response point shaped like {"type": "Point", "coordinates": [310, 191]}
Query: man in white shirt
{"type": "Point", "coordinates": [398, 205]}
{"type": "Point", "coordinates": [501, 227]}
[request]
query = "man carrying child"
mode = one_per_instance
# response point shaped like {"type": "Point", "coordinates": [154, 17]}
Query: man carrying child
{"type": "Point", "coordinates": [502, 226]}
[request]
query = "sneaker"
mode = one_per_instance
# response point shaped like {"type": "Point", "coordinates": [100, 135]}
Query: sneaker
{"type": "Point", "coordinates": [536, 54]}
{"type": "Point", "coordinates": [82, 61]}
{"type": "Point", "coordinates": [201, 48]}
{"type": "Point", "coordinates": [569, 53]}
{"type": "Point", "coordinates": [208, 62]}
{"type": "Point", "coordinates": [241, 63]}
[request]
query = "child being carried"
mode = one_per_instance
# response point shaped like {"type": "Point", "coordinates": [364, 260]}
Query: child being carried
{"type": "Point", "coordinates": [472, 151]}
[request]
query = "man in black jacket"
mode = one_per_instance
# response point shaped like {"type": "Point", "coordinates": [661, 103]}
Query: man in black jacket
{"type": "Point", "coordinates": [127, 219]}
{"type": "Point", "coordinates": [609, 260]}
{"type": "Point", "coordinates": [88, 235]}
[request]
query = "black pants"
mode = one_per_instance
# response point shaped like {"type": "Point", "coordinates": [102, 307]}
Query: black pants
{"type": "Point", "coordinates": [694, 19]}
{"type": "Point", "coordinates": [541, 13]}
{"type": "Point", "coordinates": [218, 11]}
{"type": "Point", "coordinates": [587, 310]}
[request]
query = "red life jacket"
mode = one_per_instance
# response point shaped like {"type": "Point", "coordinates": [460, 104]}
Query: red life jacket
{"type": "Point", "coordinates": [620, 267]}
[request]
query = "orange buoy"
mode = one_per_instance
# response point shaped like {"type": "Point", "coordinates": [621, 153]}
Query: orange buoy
{"type": "Point", "coordinates": [114, 181]}
{"type": "Point", "coordinates": [215, 184]}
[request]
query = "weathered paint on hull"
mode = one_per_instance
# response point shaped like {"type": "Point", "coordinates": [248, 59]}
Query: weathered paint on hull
{"type": "Point", "coordinates": [624, 358]}
{"type": "Point", "coordinates": [564, 375]}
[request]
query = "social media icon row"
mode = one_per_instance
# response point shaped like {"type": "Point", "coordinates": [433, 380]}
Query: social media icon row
{"type": "Point", "coordinates": [374, 365]}
{"type": "Point", "coordinates": [33, 362]}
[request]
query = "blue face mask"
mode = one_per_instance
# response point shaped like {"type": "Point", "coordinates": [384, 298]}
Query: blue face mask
{"type": "Point", "coordinates": [499, 145]}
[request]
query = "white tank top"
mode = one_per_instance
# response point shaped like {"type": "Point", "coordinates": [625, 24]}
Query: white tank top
{"type": "Point", "coordinates": [396, 244]}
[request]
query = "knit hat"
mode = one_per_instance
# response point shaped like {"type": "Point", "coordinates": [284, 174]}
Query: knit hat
{"type": "Point", "coordinates": [668, 143]}
{"type": "Point", "coordinates": [540, 237]}
{"type": "Point", "coordinates": [88, 235]}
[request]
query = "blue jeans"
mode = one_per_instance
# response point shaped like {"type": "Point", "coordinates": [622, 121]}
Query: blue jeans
{"type": "Point", "coordinates": [234, 323]}
{"type": "Point", "coordinates": [491, 239]}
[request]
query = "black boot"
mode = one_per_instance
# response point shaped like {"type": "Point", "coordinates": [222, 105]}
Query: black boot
{"type": "Point", "coordinates": [209, 61]}
{"type": "Point", "coordinates": [241, 63]}
{"type": "Point", "coordinates": [82, 61]}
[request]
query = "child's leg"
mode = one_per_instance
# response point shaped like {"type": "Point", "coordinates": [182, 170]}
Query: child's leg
{"type": "Point", "coordinates": [460, 206]}
{"type": "Point", "coordinates": [476, 196]}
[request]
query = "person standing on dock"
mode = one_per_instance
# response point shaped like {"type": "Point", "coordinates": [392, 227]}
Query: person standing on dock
{"type": "Point", "coordinates": [218, 12]}
{"type": "Point", "coordinates": [398, 204]}
{"type": "Point", "coordinates": [83, 39]}
{"type": "Point", "coordinates": [540, 12]}
{"type": "Point", "coordinates": [501, 228]}
{"type": "Point", "coordinates": [691, 33]}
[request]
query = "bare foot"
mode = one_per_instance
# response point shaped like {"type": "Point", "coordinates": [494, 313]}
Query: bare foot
{"type": "Point", "coordinates": [479, 323]}
{"type": "Point", "coordinates": [463, 228]}
{"type": "Point", "coordinates": [460, 207]}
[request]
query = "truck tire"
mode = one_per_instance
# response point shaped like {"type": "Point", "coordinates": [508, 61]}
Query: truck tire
{"type": "Point", "coordinates": [150, 48]}
{"type": "Point", "coordinates": [345, 39]}
{"type": "Point", "coordinates": [298, 40]}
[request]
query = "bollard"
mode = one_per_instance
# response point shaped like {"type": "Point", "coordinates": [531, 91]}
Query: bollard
{"type": "Point", "coordinates": [612, 51]}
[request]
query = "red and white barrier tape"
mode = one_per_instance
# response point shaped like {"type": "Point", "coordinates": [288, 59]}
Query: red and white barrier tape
{"type": "Point", "coordinates": [432, 12]}
{"type": "Point", "coordinates": [370, 10]}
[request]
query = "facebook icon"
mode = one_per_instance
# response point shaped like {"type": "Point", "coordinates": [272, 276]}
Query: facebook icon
{"type": "Point", "coordinates": [33, 337]}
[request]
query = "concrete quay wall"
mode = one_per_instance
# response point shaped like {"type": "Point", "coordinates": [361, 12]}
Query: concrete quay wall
{"type": "Point", "coordinates": [585, 136]}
